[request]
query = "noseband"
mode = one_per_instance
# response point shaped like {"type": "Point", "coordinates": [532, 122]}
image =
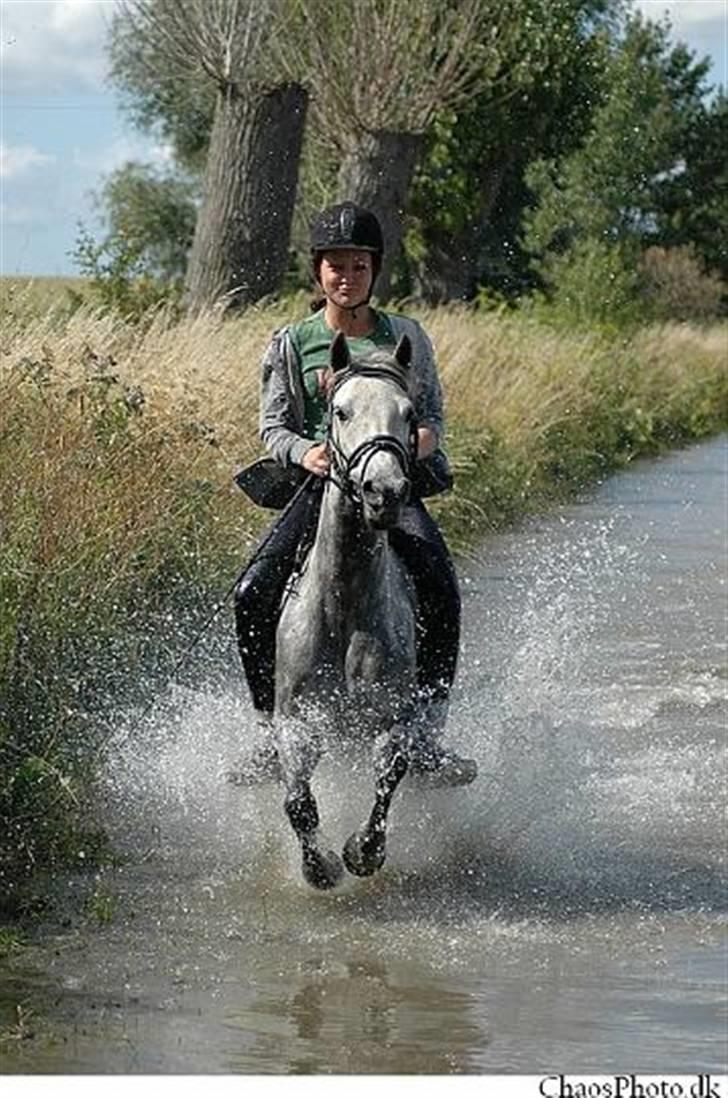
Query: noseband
{"type": "Point", "coordinates": [344, 465]}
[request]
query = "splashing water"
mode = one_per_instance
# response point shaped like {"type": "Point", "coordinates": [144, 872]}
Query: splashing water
{"type": "Point", "coordinates": [589, 796]}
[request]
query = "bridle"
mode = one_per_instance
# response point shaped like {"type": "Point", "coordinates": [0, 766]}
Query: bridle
{"type": "Point", "coordinates": [343, 465]}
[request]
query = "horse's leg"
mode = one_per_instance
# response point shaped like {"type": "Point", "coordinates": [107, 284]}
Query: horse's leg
{"type": "Point", "coordinates": [365, 850]}
{"type": "Point", "coordinates": [299, 753]}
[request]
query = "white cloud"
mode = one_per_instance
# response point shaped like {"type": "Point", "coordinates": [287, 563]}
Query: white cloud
{"type": "Point", "coordinates": [53, 47]}
{"type": "Point", "coordinates": [121, 150]}
{"type": "Point", "coordinates": [16, 159]}
{"type": "Point", "coordinates": [701, 24]}
{"type": "Point", "coordinates": [684, 13]}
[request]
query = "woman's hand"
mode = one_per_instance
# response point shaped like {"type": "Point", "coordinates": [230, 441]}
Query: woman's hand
{"type": "Point", "coordinates": [426, 442]}
{"type": "Point", "coordinates": [316, 460]}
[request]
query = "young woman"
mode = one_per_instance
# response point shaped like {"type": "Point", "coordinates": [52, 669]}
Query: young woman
{"type": "Point", "coordinates": [346, 252]}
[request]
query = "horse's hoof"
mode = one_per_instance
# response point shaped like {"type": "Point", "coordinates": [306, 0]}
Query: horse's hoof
{"type": "Point", "coordinates": [321, 870]}
{"type": "Point", "coordinates": [443, 770]}
{"type": "Point", "coordinates": [364, 853]}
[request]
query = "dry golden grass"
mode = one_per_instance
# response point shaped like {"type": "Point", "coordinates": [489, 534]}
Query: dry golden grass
{"type": "Point", "coordinates": [185, 396]}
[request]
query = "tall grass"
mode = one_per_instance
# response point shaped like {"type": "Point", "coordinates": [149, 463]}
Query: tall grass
{"type": "Point", "coordinates": [536, 412]}
{"type": "Point", "coordinates": [117, 447]}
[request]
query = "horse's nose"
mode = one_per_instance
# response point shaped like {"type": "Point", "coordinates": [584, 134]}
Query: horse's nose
{"type": "Point", "coordinates": [386, 496]}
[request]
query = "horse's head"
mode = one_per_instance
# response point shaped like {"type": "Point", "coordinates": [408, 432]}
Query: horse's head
{"type": "Point", "coordinates": [373, 432]}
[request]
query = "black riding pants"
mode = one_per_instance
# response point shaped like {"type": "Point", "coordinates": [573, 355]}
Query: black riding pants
{"type": "Point", "coordinates": [419, 544]}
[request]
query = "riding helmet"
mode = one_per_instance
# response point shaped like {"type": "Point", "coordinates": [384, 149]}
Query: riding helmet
{"type": "Point", "coordinates": [347, 225]}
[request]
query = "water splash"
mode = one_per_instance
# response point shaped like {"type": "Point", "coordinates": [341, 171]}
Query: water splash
{"type": "Point", "coordinates": [588, 796]}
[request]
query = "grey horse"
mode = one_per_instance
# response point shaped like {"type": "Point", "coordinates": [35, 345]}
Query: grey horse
{"type": "Point", "coordinates": [345, 655]}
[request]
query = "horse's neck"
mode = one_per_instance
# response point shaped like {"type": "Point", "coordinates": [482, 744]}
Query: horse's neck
{"type": "Point", "coordinates": [346, 555]}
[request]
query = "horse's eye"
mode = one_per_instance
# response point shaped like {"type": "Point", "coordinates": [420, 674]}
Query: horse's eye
{"type": "Point", "coordinates": [341, 414]}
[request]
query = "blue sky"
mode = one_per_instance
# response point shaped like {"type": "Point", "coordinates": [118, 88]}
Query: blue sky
{"type": "Point", "coordinates": [61, 130]}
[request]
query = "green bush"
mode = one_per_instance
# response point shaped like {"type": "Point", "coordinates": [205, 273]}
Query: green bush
{"type": "Point", "coordinates": [118, 279]}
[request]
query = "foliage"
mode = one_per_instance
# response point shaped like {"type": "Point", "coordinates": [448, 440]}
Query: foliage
{"type": "Point", "coordinates": [469, 193]}
{"type": "Point", "coordinates": [171, 59]}
{"type": "Point", "coordinates": [100, 906]}
{"type": "Point", "coordinates": [23, 298]}
{"type": "Point", "coordinates": [156, 100]}
{"type": "Point", "coordinates": [117, 278]}
{"type": "Point", "coordinates": [109, 488]}
{"type": "Point", "coordinates": [596, 208]}
{"type": "Point", "coordinates": [585, 109]}
{"type": "Point", "coordinates": [547, 409]}
{"type": "Point", "coordinates": [594, 283]}
{"type": "Point", "coordinates": [11, 941]}
{"type": "Point", "coordinates": [223, 56]}
{"type": "Point", "coordinates": [141, 261]}
{"type": "Point", "coordinates": [154, 214]}
{"type": "Point", "coordinates": [380, 65]}
{"type": "Point", "coordinates": [691, 204]}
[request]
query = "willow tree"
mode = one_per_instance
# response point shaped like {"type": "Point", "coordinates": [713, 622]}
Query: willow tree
{"type": "Point", "coordinates": [223, 48]}
{"type": "Point", "coordinates": [381, 70]}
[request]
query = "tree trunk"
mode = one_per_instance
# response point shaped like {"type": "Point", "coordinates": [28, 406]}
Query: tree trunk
{"type": "Point", "coordinates": [240, 248]}
{"type": "Point", "coordinates": [377, 175]}
{"type": "Point", "coordinates": [450, 269]}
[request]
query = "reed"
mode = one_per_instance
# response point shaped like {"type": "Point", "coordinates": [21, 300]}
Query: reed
{"type": "Point", "coordinates": [118, 515]}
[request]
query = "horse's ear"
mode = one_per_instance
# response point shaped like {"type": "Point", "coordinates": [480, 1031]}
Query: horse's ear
{"type": "Point", "coordinates": [340, 357]}
{"type": "Point", "coordinates": [403, 352]}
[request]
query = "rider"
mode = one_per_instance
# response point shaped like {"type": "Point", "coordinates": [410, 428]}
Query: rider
{"type": "Point", "coordinates": [346, 252]}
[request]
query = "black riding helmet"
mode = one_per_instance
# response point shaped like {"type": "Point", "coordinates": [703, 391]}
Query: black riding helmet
{"type": "Point", "coordinates": [347, 226]}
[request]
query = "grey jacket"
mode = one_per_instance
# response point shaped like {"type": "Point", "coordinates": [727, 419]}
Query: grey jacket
{"type": "Point", "coordinates": [282, 402]}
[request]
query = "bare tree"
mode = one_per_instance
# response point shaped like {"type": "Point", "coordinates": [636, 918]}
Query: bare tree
{"type": "Point", "coordinates": [379, 72]}
{"type": "Point", "coordinates": [241, 237]}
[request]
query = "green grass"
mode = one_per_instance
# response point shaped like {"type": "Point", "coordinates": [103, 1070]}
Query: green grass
{"type": "Point", "coordinates": [25, 297]}
{"type": "Point", "coordinates": [11, 941]}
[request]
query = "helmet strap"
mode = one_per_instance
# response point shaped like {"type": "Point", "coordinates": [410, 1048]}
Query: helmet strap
{"type": "Point", "coordinates": [351, 308]}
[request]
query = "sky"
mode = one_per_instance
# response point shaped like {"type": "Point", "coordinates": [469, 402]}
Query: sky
{"type": "Point", "coordinates": [62, 131]}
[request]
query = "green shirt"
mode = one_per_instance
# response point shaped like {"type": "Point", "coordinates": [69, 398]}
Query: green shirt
{"type": "Point", "coordinates": [312, 341]}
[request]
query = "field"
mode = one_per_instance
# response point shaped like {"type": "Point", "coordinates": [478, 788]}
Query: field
{"type": "Point", "coordinates": [118, 513]}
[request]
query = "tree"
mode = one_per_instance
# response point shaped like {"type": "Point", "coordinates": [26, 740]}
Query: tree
{"type": "Point", "coordinates": [596, 208]}
{"type": "Point", "coordinates": [469, 193]}
{"type": "Point", "coordinates": [381, 70]}
{"type": "Point", "coordinates": [140, 261]}
{"type": "Point", "coordinates": [222, 48]}
{"type": "Point", "coordinates": [179, 111]}
{"type": "Point", "coordinates": [691, 202]}
{"type": "Point", "coordinates": [155, 213]}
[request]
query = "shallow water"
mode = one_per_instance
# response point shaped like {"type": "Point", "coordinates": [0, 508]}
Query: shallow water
{"type": "Point", "coordinates": [564, 914]}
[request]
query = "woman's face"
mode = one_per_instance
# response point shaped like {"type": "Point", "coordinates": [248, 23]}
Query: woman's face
{"type": "Point", "coordinates": [346, 276]}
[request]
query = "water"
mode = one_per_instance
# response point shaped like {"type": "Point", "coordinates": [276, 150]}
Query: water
{"type": "Point", "coordinates": [564, 914]}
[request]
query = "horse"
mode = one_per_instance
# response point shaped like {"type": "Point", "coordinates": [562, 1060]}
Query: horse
{"type": "Point", "coordinates": [346, 641]}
